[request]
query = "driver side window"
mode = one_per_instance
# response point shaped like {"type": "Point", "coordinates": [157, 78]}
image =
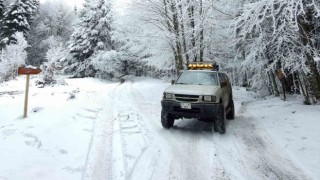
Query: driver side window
{"type": "Point", "coordinates": [221, 77]}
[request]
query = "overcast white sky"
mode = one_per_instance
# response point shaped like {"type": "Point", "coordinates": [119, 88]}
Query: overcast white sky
{"type": "Point", "coordinates": [78, 3]}
{"type": "Point", "coordinates": [67, 2]}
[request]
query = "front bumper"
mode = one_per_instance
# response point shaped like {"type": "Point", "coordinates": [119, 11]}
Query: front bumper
{"type": "Point", "coordinates": [198, 110]}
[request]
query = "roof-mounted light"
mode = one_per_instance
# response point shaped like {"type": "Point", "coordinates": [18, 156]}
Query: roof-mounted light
{"type": "Point", "coordinates": [203, 66]}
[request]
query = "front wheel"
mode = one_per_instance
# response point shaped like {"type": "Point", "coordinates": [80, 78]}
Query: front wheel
{"type": "Point", "coordinates": [230, 114]}
{"type": "Point", "coordinates": [167, 120]}
{"type": "Point", "coordinates": [220, 122]}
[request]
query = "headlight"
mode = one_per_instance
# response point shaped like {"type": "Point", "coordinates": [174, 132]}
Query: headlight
{"type": "Point", "coordinates": [209, 98]}
{"type": "Point", "coordinates": [167, 96]}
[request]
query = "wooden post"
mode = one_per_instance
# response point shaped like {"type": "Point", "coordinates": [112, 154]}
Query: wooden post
{"type": "Point", "coordinates": [27, 71]}
{"type": "Point", "coordinates": [25, 112]}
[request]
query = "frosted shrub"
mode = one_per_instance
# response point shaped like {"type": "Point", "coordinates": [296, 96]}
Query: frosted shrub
{"type": "Point", "coordinates": [55, 55]}
{"type": "Point", "coordinates": [13, 56]}
{"type": "Point", "coordinates": [107, 64]}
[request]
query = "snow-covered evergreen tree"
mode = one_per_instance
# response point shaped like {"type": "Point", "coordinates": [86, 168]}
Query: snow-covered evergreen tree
{"type": "Point", "coordinates": [2, 10]}
{"type": "Point", "coordinates": [2, 6]}
{"type": "Point", "coordinates": [92, 33]}
{"type": "Point", "coordinates": [31, 6]}
{"type": "Point", "coordinates": [52, 19]}
{"type": "Point", "coordinates": [15, 20]}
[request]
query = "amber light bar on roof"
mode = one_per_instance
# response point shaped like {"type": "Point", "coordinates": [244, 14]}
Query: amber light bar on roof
{"type": "Point", "coordinates": [201, 66]}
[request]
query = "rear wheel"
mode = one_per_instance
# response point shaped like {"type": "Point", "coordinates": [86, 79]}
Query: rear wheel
{"type": "Point", "coordinates": [230, 114]}
{"type": "Point", "coordinates": [167, 120]}
{"type": "Point", "coordinates": [220, 123]}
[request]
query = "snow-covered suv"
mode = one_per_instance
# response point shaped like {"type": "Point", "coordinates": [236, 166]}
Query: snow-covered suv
{"type": "Point", "coordinates": [202, 94]}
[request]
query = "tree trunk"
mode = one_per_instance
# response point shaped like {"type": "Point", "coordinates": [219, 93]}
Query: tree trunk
{"type": "Point", "coordinates": [295, 82]}
{"type": "Point", "coordinates": [201, 32]}
{"type": "Point", "coordinates": [275, 87]}
{"type": "Point", "coordinates": [303, 89]}
{"type": "Point", "coordinates": [314, 77]}
{"type": "Point", "coordinates": [185, 51]}
{"type": "Point", "coordinates": [178, 54]}
{"type": "Point", "coordinates": [165, 4]}
{"type": "Point", "coordinates": [306, 27]}
{"type": "Point", "coordinates": [283, 88]}
{"type": "Point", "coordinates": [270, 88]}
{"type": "Point", "coordinates": [192, 25]}
{"type": "Point", "coordinates": [174, 28]}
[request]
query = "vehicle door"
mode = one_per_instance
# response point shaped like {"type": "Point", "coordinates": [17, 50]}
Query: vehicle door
{"type": "Point", "coordinates": [224, 88]}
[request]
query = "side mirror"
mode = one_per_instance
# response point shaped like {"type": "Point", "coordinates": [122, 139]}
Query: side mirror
{"type": "Point", "coordinates": [224, 84]}
{"type": "Point", "coordinates": [173, 81]}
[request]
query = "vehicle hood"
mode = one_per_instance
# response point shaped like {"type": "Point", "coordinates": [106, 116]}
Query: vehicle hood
{"type": "Point", "coordinates": [191, 89]}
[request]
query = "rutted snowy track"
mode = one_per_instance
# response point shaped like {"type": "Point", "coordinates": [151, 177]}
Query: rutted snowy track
{"type": "Point", "coordinates": [129, 143]}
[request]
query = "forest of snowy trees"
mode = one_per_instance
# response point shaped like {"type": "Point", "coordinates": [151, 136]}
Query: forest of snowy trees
{"type": "Point", "coordinates": [265, 45]}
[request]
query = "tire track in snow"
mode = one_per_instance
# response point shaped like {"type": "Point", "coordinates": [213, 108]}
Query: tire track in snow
{"type": "Point", "coordinates": [142, 149]}
{"type": "Point", "coordinates": [179, 153]}
{"type": "Point", "coordinates": [98, 161]}
{"type": "Point", "coordinates": [261, 155]}
{"type": "Point", "coordinates": [242, 153]}
{"type": "Point", "coordinates": [266, 159]}
{"type": "Point", "coordinates": [190, 148]}
{"type": "Point", "coordinates": [135, 138]}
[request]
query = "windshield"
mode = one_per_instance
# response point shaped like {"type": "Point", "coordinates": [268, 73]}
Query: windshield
{"type": "Point", "coordinates": [198, 78]}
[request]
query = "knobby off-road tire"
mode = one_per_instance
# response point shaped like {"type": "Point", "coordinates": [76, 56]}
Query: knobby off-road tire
{"type": "Point", "coordinates": [215, 126]}
{"type": "Point", "coordinates": [230, 114]}
{"type": "Point", "coordinates": [167, 120]}
{"type": "Point", "coordinates": [220, 123]}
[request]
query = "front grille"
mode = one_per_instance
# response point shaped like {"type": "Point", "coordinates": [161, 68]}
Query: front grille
{"type": "Point", "coordinates": [187, 98]}
{"type": "Point", "coordinates": [193, 110]}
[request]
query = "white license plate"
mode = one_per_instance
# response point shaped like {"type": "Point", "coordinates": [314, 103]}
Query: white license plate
{"type": "Point", "coordinates": [186, 105]}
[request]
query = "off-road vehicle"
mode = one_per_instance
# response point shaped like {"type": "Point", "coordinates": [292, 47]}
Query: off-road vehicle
{"type": "Point", "coordinates": [200, 92]}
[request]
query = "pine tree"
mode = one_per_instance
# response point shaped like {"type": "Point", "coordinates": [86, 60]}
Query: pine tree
{"type": "Point", "coordinates": [2, 7]}
{"type": "Point", "coordinates": [51, 20]}
{"type": "Point", "coordinates": [31, 6]}
{"type": "Point", "coordinates": [15, 20]}
{"type": "Point", "coordinates": [92, 33]}
{"type": "Point", "coordinates": [2, 10]}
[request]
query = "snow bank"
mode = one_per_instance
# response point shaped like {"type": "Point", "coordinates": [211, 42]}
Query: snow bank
{"type": "Point", "coordinates": [53, 141]}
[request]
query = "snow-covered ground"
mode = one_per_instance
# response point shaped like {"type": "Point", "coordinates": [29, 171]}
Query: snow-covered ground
{"type": "Point", "coordinates": [93, 129]}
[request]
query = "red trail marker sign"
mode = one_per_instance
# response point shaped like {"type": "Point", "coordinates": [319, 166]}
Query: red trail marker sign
{"type": "Point", "coordinates": [27, 71]}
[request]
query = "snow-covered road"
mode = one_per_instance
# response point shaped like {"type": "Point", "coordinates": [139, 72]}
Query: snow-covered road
{"type": "Point", "coordinates": [99, 130]}
{"type": "Point", "coordinates": [130, 143]}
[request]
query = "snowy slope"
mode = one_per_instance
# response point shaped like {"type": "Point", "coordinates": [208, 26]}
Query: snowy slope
{"type": "Point", "coordinates": [113, 131]}
{"type": "Point", "coordinates": [52, 143]}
